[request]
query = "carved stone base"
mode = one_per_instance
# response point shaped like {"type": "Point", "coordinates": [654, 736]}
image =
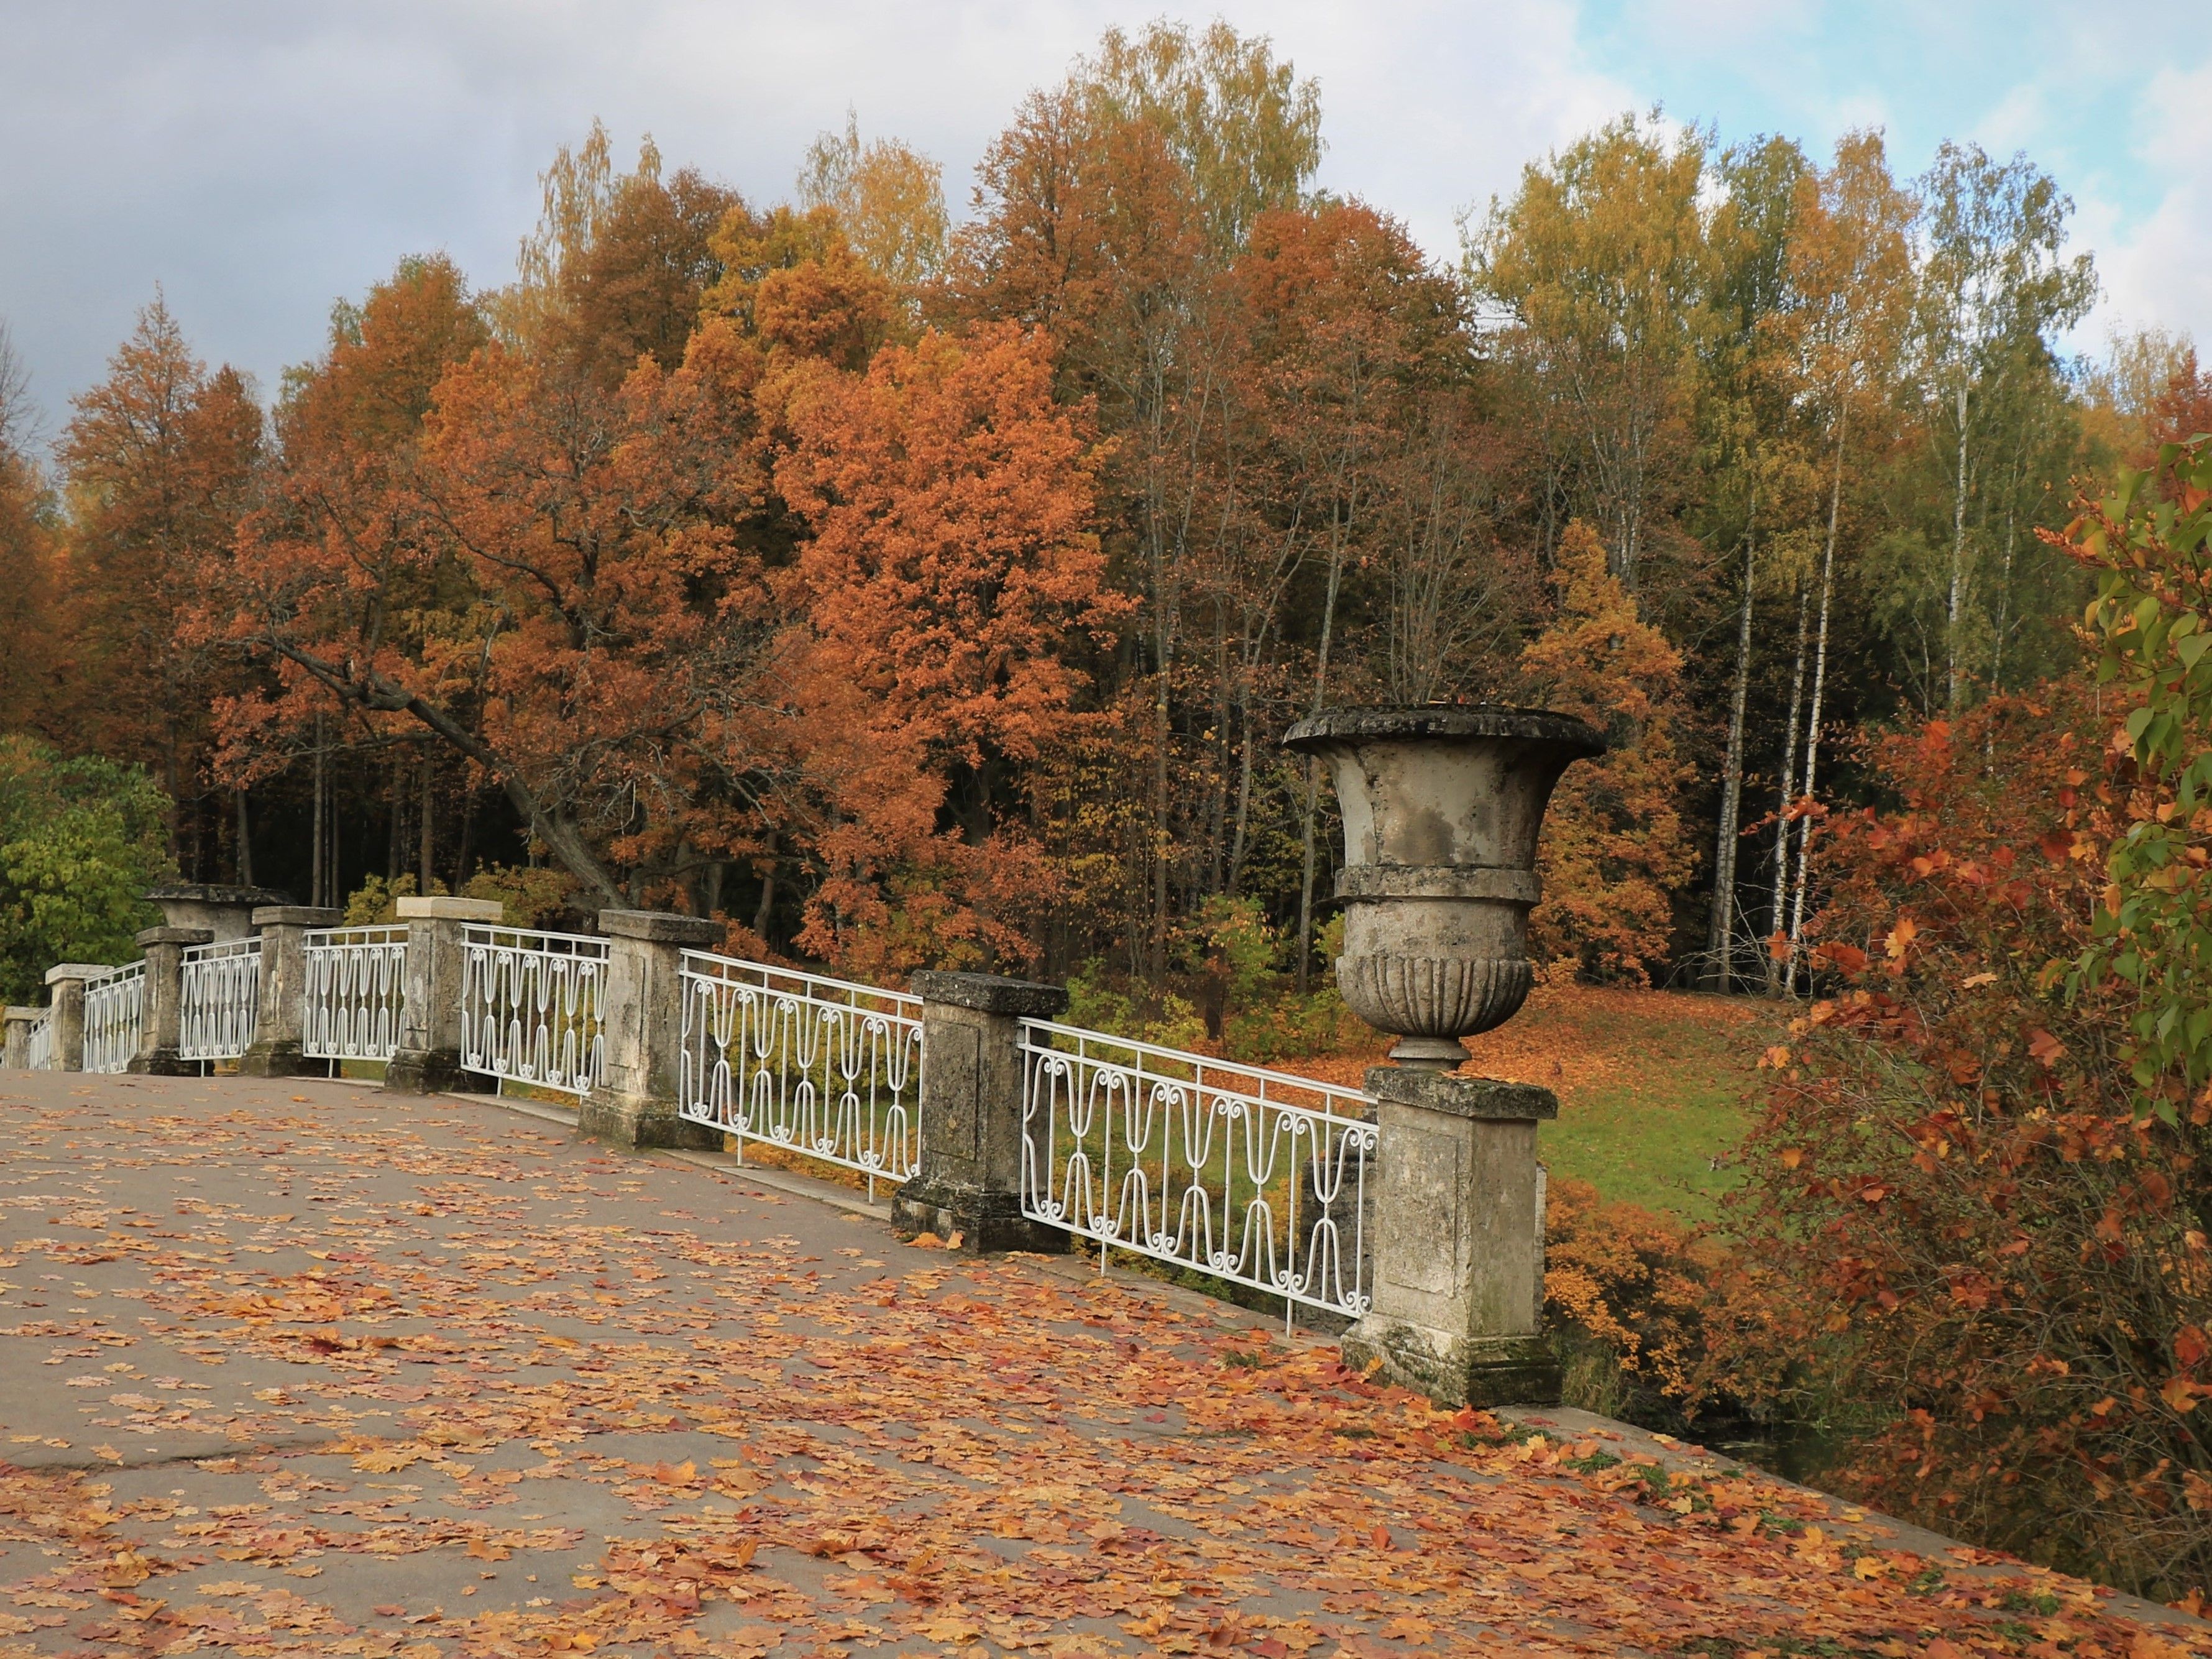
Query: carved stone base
{"type": "Point", "coordinates": [426, 1071]}
{"type": "Point", "coordinates": [1456, 1370]}
{"type": "Point", "coordinates": [277, 1060]}
{"type": "Point", "coordinates": [162, 1062]}
{"type": "Point", "coordinates": [986, 1220]}
{"type": "Point", "coordinates": [640, 1120]}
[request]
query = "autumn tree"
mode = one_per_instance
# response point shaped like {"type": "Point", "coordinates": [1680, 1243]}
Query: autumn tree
{"type": "Point", "coordinates": [1601, 264]}
{"type": "Point", "coordinates": [952, 586]}
{"type": "Point", "coordinates": [27, 551]}
{"type": "Point", "coordinates": [889, 199]}
{"type": "Point", "coordinates": [1616, 849]}
{"type": "Point", "coordinates": [160, 463]}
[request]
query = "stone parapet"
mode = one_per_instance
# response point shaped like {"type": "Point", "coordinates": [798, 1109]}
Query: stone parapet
{"type": "Point", "coordinates": [972, 1132]}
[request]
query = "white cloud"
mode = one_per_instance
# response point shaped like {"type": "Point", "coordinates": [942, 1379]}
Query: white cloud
{"type": "Point", "coordinates": [2155, 265]}
{"type": "Point", "coordinates": [260, 158]}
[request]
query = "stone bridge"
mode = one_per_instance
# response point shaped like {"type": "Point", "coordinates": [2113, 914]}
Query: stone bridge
{"type": "Point", "coordinates": [299, 1366]}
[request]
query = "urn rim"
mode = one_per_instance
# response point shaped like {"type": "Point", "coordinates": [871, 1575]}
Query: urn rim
{"type": "Point", "coordinates": [1475, 719]}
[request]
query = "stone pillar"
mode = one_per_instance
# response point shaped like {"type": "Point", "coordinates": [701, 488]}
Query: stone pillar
{"type": "Point", "coordinates": [1459, 1271]}
{"type": "Point", "coordinates": [280, 1015]}
{"type": "Point", "coordinates": [429, 1059]}
{"type": "Point", "coordinates": [15, 1051]}
{"type": "Point", "coordinates": [971, 1114]}
{"type": "Point", "coordinates": [65, 987]}
{"type": "Point", "coordinates": [226, 911]}
{"type": "Point", "coordinates": [641, 1017]}
{"type": "Point", "coordinates": [160, 1025]}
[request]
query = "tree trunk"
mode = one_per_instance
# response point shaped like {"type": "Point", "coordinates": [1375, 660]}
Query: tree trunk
{"type": "Point", "coordinates": [399, 797]}
{"type": "Point", "coordinates": [1312, 770]}
{"type": "Point", "coordinates": [1722, 940]}
{"type": "Point", "coordinates": [426, 828]}
{"type": "Point", "coordinates": [318, 887]}
{"type": "Point", "coordinates": [1958, 563]}
{"type": "Point", "coordinates": [1780, 915]}
{"type": "Point", "coordinates": [1813, 724]}
{"type": "Point", "coordinates": [764, 912]}
{"type": "Point", "coordinates": [245, 842]}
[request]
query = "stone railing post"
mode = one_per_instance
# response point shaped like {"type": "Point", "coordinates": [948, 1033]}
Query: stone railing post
{"type": "Point", "coordinates": [429, 1057]}
{"type": "Point", "coordinates": [66, 991]}
{"type": "Point", "coordinates": [641, 1021]}
{"type": "Point", "coordinates": [15, 1051]}
{"type": "Point", "coordinates": [1459, 1269]}
{"type": "Point", "coordinates": [161, 1021]}
{"type": "Point", "coordinates": [280, 1013]}
{"type": "Point", "coordinates": [970, 1181]}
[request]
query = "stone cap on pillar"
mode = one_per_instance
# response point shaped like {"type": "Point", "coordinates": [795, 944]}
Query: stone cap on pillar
{"type": "Point", "coordinates": [147, 936]}
{"type": "Point", "coordinates": [452, 909]}
{"type": "Point", "coordinates": [660, 927]}
{"type": "Point", "coordinates": [295, 915]}
{"type": "Point", "coordinates": [207, 904]}
{"type": "Point", "coordinates": [15, 1011]}
{"type": "Point", "coordinates": [991, 993]}
{"type": "Point", "coordinates": [78, 970]}
{"type": "Point", "coordinates": [1484, 1097]}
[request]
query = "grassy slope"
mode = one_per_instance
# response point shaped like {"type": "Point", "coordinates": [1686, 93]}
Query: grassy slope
{"type": "Point", "coordinates": [1654, 1086]}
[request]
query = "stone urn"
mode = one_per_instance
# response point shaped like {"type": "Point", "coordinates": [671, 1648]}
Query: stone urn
{"type": "Point", "coordinates": [1441, 809]}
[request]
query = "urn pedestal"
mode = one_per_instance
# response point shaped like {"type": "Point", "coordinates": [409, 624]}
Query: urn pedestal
{"type": "Point", "coordinates": [1442, 807]}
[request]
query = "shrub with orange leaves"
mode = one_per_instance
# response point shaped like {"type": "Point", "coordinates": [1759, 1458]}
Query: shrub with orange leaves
{"type": "Point", "coordinates": [1625, 1292]}
{"type": "Point", "coordinates": [1961, 1239]}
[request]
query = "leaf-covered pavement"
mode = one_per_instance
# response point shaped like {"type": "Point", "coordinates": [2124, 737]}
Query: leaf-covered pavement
{"type": "Point", "coordinates": [294, 1368]}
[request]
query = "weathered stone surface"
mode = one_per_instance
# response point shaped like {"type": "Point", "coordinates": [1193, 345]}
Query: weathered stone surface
{"type": "Point", "coordinates": [440, 908]}
{"type": "Point", "coordinates": [161, 1019]}
{"type": "Point", "coordinates": [661, 927]}
{"type": "Point", "coordinates": [226, 912]}
{"type": "Point", "coordinates": [642, 1019]}
{"type": "Point", "coordinates": [1441, 808]}
{"type": "Point", "coordinates": [279, 1018]}
{"type": "Point", "coordinates": [295, 915]}
{"type": "Point", "coordinates": [972, 1145]}
{"type": "Point", "coordinates": [990, 994]}
{"type": "Point", "coordinates": [429, 1057]}
{"type": "Point", "coordinates": [1461, 1096]}
{"type": "Point", "coordinates": [1456, 1369]}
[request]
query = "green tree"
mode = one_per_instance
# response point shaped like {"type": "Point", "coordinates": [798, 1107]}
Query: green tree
{"type": "Point", "coordinates": [80, 841]}
{"type": "Point", "coordinates": [1996, 291]}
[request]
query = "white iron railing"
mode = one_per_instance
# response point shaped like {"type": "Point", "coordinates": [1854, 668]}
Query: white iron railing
{"type": "Point", "coordinates": [356, 989]}
{"type": "Point", "coordinates": [38, 1055]}
{"type": "Point", "coordinates": [114, 1014]}
{"type": "Point", "coordinates": [1256, 1177]}
{"type": "Point", "coordinates": [532, 1005]}
{"type": "Point", "coordinates": [219, 999]}
{"type": "Point", "coordinates": [815, 1065]}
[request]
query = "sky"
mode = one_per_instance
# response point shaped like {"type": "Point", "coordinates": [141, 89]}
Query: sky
{"type": "Point", "coordinates": [257, 160]}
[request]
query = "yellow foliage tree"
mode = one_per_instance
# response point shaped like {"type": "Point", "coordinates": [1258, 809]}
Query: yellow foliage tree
{"type": "Point", "coordinates": [1615, 846]}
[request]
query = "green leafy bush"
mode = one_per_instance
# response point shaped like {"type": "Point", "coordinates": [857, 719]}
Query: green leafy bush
{"type": "Point", "coordinates": [80, 841]}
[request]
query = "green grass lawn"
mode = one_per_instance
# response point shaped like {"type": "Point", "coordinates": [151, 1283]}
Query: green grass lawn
{"type": "Point", "coordinates": [1656, 1089]}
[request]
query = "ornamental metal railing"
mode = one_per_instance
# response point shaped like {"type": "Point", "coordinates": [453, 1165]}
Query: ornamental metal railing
{"type": "Point", "coordinates": [357, 990]}
{"type": "Point", "coordinates": [219, 999]}
{"type": "Point", "coordinates": [39, 1053]}
{"type": "Point", "coordinates": [114, 1015]}
{"type": "Point", "coordinates": [1256, 1177]}
{"type": "Point", "coordinates": [815, 1066]}
{"type": "Point", "coordinates": [533, 1006]}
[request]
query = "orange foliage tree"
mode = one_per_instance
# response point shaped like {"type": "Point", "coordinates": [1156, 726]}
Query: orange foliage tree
{"type": "Point", "coordinates": [950, 586]}
{"type": "Point", "coordinates": [1616, 849]}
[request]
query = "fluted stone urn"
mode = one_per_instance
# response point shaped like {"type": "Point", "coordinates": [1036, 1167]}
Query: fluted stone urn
{"type": "Point", "coordinates": [1441, 810]}
{"type": "Point", "coordinates": [1442, 806]}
